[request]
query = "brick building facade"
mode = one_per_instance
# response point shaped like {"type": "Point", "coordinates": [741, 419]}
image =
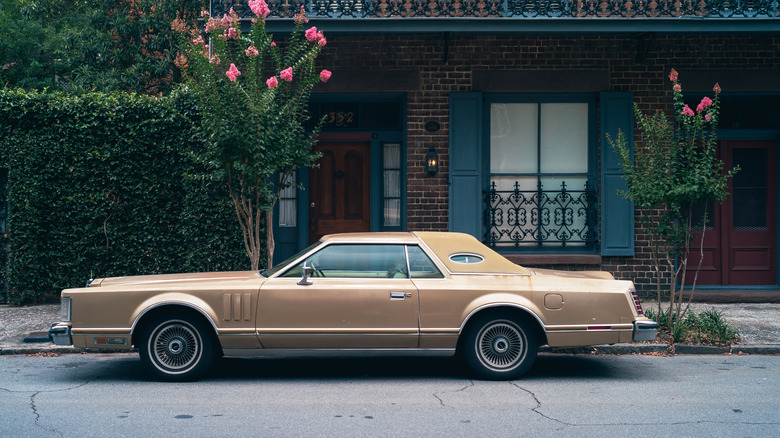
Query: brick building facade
{"type": "Point", "coordinates": [441, 86]}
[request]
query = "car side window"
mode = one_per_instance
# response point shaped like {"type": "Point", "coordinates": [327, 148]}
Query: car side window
{"type": "Point", "coordinates": [355, 261]}
{"type": "Point", "coordinates": [420, 265]}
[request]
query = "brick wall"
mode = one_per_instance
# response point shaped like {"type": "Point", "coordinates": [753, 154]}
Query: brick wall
{"type": "Point", "coordinates": [429, 67]}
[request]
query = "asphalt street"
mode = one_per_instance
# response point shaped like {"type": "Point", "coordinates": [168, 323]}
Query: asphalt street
{"type": "Point", "coordinates": [563, 395]}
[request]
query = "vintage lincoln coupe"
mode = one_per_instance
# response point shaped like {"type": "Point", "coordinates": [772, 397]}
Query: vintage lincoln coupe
{"type": "Point", "coordinates": [414, 293]}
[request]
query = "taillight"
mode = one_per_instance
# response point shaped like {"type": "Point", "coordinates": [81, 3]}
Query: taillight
{"type": "Point", "coordinates": [637, 304]}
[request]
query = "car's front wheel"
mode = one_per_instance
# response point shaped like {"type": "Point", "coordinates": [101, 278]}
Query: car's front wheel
{"type": "Point", "coordinates": [500, 347]}
{"type": "Point", "coordinates": [177, 348]}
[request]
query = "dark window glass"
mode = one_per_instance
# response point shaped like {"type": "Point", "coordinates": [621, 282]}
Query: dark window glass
{"type": "Point", "coordinates": [750, 189]}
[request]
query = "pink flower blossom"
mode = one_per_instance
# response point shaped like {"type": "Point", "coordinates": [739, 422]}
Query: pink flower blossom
{"type": "Point", "coordinates": [251, 51]}
{"type": "Point", "coordinates": [311, 34]}
{"type": "Point", "coordinates": [199, 41]}
{"type": "Point", "coordinates": [214, 59]}
{"type": "Point", "coordinates": [259, 7]}
{"type": "Point", "coordinates": [322, 42]}
{"type": "Point", "coordinates": [716, 88]}
{"type": "Point", "coordinates": [232, 73]}
{"type": "Point", "coordinates": [273, 43]}
{"type": "Point", "coordinates": [677, 88]}
{"type": "Point", "coordinates": [325, 75]}
{"type": "Point", "coordinates": [687, 111]}
{"type": "Point", "coordinates": [673, 75]}
{"type": "Point", "coordinates": [272, 82]}
{"type": "Point", "coordinates": [707, 117]}
{"type": "Point", "coordinates": [286, 74]}
{"type": "Point", "coordinates": [204, 13]}
{"type": "Point", "coordinates": [705, 103]}
{"type": "Point", "coordinates": [233, 33]}
{"type": "Point", "coordinates": [226, 20]}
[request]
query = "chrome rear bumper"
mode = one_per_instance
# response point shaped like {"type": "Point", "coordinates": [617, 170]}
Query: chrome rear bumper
{"type": "Point", "coordinates": [645, 330]}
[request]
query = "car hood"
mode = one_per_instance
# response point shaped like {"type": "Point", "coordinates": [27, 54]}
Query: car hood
{"type": "Point", "coordinates": [175, 278]}
{"type": "Point", "coordinates": [598, 275]}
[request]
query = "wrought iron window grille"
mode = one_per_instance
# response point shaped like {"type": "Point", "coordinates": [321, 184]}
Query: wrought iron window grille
{"type": "Point", "coordinates": [541, 218]}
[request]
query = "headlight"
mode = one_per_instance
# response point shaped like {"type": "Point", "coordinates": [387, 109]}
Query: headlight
{"type": "Point", "coordinates": [65, 309]}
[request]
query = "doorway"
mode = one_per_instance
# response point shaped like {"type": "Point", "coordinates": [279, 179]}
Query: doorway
{"type": "Point", "coordinates": [340, 189]}
{"type": "Point", "coordinates": [740, 242]}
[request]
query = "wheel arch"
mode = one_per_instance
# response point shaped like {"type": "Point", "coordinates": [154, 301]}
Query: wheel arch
{"type": "Point", "coordinates": [516, 310]}
{"type": "Point", "coordinates": [169, 308]}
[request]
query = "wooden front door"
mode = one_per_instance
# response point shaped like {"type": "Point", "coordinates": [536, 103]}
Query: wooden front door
{"type": "Point", "coordinates": [340, 196]}
{"type": "Point", "coordinates": [740, 246]}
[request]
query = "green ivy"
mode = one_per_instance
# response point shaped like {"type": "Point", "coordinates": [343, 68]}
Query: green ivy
{"type": "Point", "coordinates": [97, 186]}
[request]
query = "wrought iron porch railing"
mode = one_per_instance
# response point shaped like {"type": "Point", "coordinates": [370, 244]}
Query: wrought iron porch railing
{"type": "Point", "coordinates": [507, 8]}
{"type": "Point", "coordinates": [541, 218]}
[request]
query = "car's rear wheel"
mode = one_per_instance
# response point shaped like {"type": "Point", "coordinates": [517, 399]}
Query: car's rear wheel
{"type": "Point", "coordinates": [177, 348]}
{"type": "Point", "coordinates": [500, 347]}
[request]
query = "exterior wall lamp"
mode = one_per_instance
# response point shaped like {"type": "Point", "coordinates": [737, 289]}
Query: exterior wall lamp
{"type": "Point", "coordinates": [432, 161]}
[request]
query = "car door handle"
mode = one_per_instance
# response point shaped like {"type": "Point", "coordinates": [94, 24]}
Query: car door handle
{"type": "Point", "coordinates": [400, 295]}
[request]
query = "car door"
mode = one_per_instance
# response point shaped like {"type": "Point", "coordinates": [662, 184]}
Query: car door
{"type": "Point", "coordinates": [358, 296]}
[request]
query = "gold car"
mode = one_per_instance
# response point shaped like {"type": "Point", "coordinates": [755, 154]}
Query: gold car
{"type": "Point", "coordinates": [427, 293]}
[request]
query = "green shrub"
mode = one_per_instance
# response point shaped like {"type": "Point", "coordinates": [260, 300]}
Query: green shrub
{"type": "Point", "coordinates": [708, 327]}
{"type": "Point", "coordinates": [97, 186]}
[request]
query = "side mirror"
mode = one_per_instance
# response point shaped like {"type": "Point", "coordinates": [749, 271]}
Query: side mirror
{"type": "Point", "coordinates": [306, 274]}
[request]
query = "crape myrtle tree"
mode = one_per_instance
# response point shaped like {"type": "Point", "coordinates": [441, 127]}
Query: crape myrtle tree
{"type": "Point", "coordinates": [253, 97]}
{"type": "Point", "coordinates": [674, 174]}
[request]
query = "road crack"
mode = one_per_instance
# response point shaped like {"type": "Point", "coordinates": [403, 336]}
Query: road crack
{"type": "Point", "coordinates": [441, 401]}
{"type": "Point", "coordinates": [536, 409]}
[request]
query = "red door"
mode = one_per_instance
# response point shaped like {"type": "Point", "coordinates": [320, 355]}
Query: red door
{"type": "Point", "coordinates": [740, 245]}
{"type": "Point", "coordinates": [340, 189]}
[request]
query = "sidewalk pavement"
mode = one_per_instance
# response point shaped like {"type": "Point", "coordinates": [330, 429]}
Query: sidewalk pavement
{"type": "Point", "coordinates": [24, 330]}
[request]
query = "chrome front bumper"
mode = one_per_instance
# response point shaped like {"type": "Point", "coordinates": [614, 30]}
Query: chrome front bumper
{"type": "Point", "coordinates": [645, 330]}
{"type": "Point", "coordinates": [60, 334]}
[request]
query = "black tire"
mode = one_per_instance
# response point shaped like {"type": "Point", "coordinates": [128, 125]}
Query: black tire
{"type": "Point", "coordinates": [177, 348]}
{"type": "Point", "coordinates": [499, 347]}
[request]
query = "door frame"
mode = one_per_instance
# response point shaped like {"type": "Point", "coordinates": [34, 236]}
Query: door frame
{"type": "Point", "coordinates": [770, 135]}
{"type": "Point", "coordinates": [296, 238]}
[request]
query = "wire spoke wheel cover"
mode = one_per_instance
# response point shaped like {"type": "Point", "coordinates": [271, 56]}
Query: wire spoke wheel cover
{"type": "Point", "coordinates": [501, 345]}
{"type": "Point", "coordinates": [177, 345]}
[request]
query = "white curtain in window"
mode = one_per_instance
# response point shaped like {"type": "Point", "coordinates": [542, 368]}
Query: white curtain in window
{"type": "Point", "coordinates": [513, 137]}
{"type": "Point", "coordinates": [392, 184]}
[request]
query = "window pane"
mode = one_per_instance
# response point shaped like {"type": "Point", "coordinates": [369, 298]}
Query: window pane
{"type": "Point", "coordinates": [357, 261]}
{"type": "Point", "coordinates": [392, 156]}
{"type": "Point", "coordinates": [420, 265]}
{"type": "Point", "coordinates": [750, 189]}
{"type": "Point", "coordinates": [288, 205]}
{"type": "Point", "coordinates": [392, 212]}
{"type": "Point", "coordinates": [564, 139]}
{"type": "Point", "coordinates": [513, 137]}
{"type": "Point", "coordinates": [287, 210]}
{"type": "Point", "coordinates": [392, 183]}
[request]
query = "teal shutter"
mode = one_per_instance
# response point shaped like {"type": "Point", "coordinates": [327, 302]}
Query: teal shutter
{"type": "Point", "coordinates": [465, 171]}
{"type": "Point", "coordinates": [617, 213]}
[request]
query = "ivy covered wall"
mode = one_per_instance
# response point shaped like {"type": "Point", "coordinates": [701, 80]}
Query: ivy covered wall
{"type": "Point", "coordinates": [99, 185]}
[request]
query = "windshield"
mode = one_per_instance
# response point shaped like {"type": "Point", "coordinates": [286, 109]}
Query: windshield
{"type": "Point", "coordinates": [269, 272]}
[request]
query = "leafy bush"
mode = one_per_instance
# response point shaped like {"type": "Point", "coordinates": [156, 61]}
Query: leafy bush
{"type": "Point", "coordinates": [708, 327]}
{"type": "Point", "coordinates": [97, 186]}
